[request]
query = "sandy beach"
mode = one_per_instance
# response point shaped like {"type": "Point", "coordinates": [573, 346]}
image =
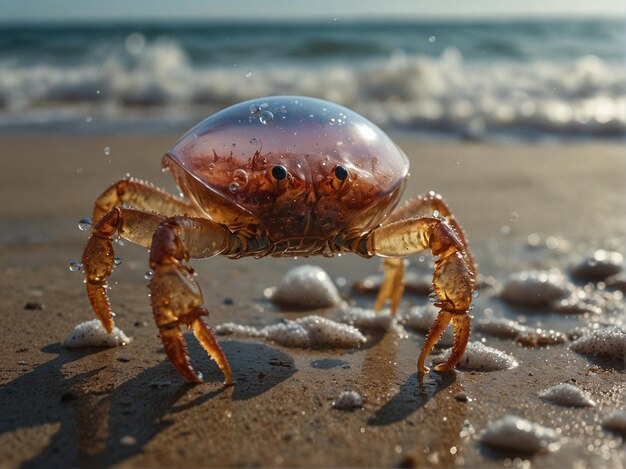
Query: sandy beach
{"type": "Point", "coordinates": [127, 407]}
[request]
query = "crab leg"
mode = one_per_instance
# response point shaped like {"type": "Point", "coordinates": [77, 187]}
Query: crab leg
{"type": "Point", "coordinates": [393, 269]}
{"type": "Point", "coordinates": [133, 225]}
{"type": "Point", "coordinates": [139, 194]}
{"type": "Point", "coordinates": [453, 280]}
{"type": "Point", "coordinates": [176, 296]}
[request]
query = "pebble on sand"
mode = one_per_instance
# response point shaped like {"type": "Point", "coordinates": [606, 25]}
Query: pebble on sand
{"type": "Point", "coordinates": [92, 334]}
{"type": "Point", "coordinates": [535, 288]}
{"type": "Point", "coordinates": [616, 422]}
{"type": "Point", "coordinates": [518, 435]}
{"type": "Point", "coordinates": [567, 395]}
{"type": "Point", "coordinates": [306, 287]}
{"type": "Point", "coordinates": [599, 265]}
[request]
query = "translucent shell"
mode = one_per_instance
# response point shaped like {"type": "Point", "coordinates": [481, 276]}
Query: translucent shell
{"type": "Point", "coordinates": [290, 167]}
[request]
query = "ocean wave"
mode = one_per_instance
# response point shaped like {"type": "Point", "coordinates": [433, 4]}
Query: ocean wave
{"type": "Point", "coordinates": [404, 91]}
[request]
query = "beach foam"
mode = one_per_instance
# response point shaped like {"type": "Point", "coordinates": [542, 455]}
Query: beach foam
{"type": "Point", "coordinates": [568, 395]}
{"type": "Point", "coordinates": [92, 334]}
{"type": "Point", "coordinates": [608, 343]}
{"type": "Point", "coordinates": [304, 332]}
{"type": "Point", "coordinates": [480, 357]}
{"type": "Point", "coordinates": [512, 433]}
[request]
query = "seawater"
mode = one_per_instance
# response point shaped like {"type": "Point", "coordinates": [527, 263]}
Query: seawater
{"type": "Point", "coordinates": [525, 79]}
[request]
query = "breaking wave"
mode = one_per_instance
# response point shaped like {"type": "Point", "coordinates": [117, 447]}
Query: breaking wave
{"type": "Point", "coordinates": [408, 91]}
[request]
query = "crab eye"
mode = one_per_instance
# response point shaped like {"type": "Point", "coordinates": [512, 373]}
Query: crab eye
{"type": "Point", "coordinates": [279, 172]}
{"type": "Point", "coordinates": [341, 173]}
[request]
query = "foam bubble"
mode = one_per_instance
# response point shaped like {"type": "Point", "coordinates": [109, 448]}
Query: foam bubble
{"type": "Point", "coordinates": [92, 334]}
{"type": "Point", "coordinates": [512, 433]}
{"type": "Point", "coordinates": [568, 395]}
{"type": "Point", "coordinates": [348, 400]}
{"type": "Point", "coordinates": [366, 319]}
{"type": "Point", "coordinates": [304, 332]}
{"type": "Point", "coordinates": [603, 343]}
{"type": "Point", "coordinates": [481, 357]}
{"type": "Point", "coordinates": [306, 287]}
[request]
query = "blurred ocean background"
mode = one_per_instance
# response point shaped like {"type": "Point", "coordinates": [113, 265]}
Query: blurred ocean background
{"type": "Point", "coordinates": [530, 79]}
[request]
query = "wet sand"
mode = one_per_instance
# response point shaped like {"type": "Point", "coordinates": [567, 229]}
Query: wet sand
{"type": "Point", "coordinates": [127, 407]}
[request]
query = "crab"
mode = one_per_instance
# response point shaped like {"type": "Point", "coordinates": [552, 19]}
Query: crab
{"type": "Point", "coordinates": [278, 176]}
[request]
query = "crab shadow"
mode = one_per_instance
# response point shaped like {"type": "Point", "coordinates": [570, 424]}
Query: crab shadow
{"type": "Point", "coordinates": [413, 394]}
{"type": "Point", "coordinates": [103, 421]}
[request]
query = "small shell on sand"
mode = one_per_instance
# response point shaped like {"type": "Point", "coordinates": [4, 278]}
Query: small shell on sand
{"type": "Point", "coordinates": [616, 422]}
{"type": "Point", "coordinates": [599, 265]}
{"type": "Point", "coordinates": [535, 288]}
{"type": "Point", "coordinates": [421, 318]}
{"type": "Point", "coordinates": [567, 395]}
{"type": "Point", "coordinates": [348, 400]}
{"type": "Point", "coordinates": [303, 333]}
{"type": "Point", "coordinates": [480, 357]}
{"type": "Point", "coordinates": [603, 343]}
{"type": "Point", "coordinates": [92, 334]}
{"type": "Point", "coordinates": [306, 287]}
{"type": "Point", "coordinates": [366, 319]}
{"type": "Point", "coordinates": [512, 433]}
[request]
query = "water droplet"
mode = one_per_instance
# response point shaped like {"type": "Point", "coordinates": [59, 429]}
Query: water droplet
{"type": "Point", "coordinates": [255, 141]}
{"type": "Point", "coordinates": [432, 297]}
{"type": "Point", "coordinates": [233, 187]}
{"type": "Point", "coordinates": [84, 224]}
{"type": "Point", "coordinates": [533, 240]}
{"type": "Point", "coordinates": [107, 151]}
{"type": "Point", "coordinates": [514, 217]}
{"type": "Point", "coordinates": [332, 121]}
{"type": "Point", "coordinates": [255, 109]}
{"type": "Point", "coordinates": [266, 117]}
{"type": "Point", "coordinates": [436, 214]}
{"type": "Point", "coordinates": [149, 274]}
{"type": "Point", "coordinates": [75, 266]}
{"type": "Point", "coordinates": [475, 294]}
{"type": "Point", "coordinates": [249, 74]}
{"type": "Point", "coordinates": [432, 39]}
{"type": "Point", "coordinates": [211, 167]}
{"type": "Point", "coordinates": [240, 177]}
{"type": "Point", "coordinates": [117, 260]}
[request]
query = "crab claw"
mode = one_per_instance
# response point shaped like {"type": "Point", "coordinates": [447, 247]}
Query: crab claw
{"type": "Point", "coordinates": [176, 300]}
{"type": "Point", "coordinates": [176, 348]}
{"type": "Point", "coordinates": [461, 324]}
